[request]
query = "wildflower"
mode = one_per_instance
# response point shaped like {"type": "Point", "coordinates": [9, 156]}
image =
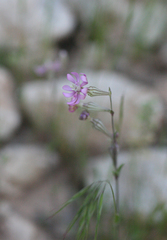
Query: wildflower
{"type": "Point", "coordinates": [76, 91]}
{"type": "Point", "coordinates": [84, 115]}
{"type": "Point", "coordinates": [54, 66]}
{"type": "Point", "coordinates": [93, 92]}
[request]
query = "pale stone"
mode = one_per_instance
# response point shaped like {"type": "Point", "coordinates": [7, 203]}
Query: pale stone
{"type": "Point", "coordinates": [161, 87]}
{"type": "Point", "coordinates": [142, 181]}
{"type": "Point", "coordinates": [27, 23]}
{"type": "Point", "coordinates": [41, 202]}
{"type": "Point", "coordinates": [17, 227]}
{"type": "Point", "coordinates": [10, 118]}
{"type": "Point", "coordinates": [24, 165]}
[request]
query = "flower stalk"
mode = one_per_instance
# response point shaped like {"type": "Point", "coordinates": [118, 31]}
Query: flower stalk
{"type": "Point", "coordinates": [114, 153]}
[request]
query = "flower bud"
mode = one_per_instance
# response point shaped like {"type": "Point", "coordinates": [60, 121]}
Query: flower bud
{"type": "Point", "coordinates": [72, 108]}
{"type": "Point", "coordinates": [98, 125]}
{"type": "Point", "coordinates": [84, 115]}
{"type": "Point", "coordinates": [93, 91]}
{"type": "Point", "coordinates": [91, 106]}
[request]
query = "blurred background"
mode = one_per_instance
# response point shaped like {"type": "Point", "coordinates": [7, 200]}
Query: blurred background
{"type": "Point", "coordinates": [46, 153]}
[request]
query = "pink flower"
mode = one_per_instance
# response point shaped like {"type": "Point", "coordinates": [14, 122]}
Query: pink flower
{"type": "Point", "coordinates": [77, 92]}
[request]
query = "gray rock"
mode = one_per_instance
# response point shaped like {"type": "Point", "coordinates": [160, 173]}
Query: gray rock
{"type": "Point", "coordinates": [41, 202]}
{"type": "Point", "coordinates": [10, 118]}
{"type": "Point", "coordinates": [143, 178]}
{"type": "Point", "coordinates": [31, 21]}
{"type": "Point", "coordinates": [22, 166]}
{"type": "Point", "coordinates": [17, 227]}
{"type": "Point", "coordinates": [161, 87]}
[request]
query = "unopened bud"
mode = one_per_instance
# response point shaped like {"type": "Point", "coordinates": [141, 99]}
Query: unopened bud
{"type": "Point", "coordinates": [93, 91]}
{"type": "Point", "coordinates": [98, 125]}
{"type": "Point", "coordinates": [84, 115]}
{"type": "Point", "coordinates": [91, 106]}
{"type": "Point", "coordinates": [72, 108]}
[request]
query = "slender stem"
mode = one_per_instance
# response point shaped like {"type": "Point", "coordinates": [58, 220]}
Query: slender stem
{"type": "Point", "coordinates": [115, 161]}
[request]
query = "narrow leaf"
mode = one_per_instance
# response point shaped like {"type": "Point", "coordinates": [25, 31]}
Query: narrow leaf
{"type": "Point", "coordinates": [99, 211]}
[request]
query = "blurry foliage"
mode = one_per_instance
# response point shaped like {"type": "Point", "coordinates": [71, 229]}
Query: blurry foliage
{"type": "Point", "coordinates": [134, 226]}
{"type": "Point", "coordinates": [145, 116]}
{"type": "Point", "coordinates": [151, 228]}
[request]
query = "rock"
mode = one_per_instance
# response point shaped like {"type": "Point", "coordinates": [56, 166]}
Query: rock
{"type": "Point", "coordinates": [43, 103]}
{"type": "Point", "coordinates": [31, 21]}
{"type": "Point", "coordinates": [142, 179]}
{"type": "Point", "coordinates": [23, 166]}
{"type": "Point", "coordinates": [161, 87]}
{"type": "Point", "coordinates": [39, 100]}
{"type": "Point", "coordinates": [17, 227]}
{"type": "Point", "coordinates": [41, 202]}
{"type": "Point", "coordinates": [163, 54]}
{"type": "Point", "coordinates": [10, 118]}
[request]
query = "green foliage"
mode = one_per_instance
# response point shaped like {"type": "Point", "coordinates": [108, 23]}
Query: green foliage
{"type": "Point", "coordinates": [118, 170]}
{"type": "Point", "coordinates": [146, 115]}
{"type": "Point", "coordinates": [92, 203]}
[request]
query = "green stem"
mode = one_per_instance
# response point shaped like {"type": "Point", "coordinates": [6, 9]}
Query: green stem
{"type": "Point", "coordinates": [114, 158]}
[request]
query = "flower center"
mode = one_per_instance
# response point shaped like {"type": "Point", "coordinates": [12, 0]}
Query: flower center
{"type": "Point", "coordinates": [76, 88]}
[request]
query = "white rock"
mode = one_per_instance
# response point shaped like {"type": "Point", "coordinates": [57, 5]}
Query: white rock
{"type": "Point", "coordinates": [143, 109]}
{"type": "Point", "coordinates": [39, 100]}
{"type": "Point", "coordinates": [44, 200]}
{"type": "Point", "coordinates": [26, 24]}
{"type": "Point", "coordinates": [17, 227]}
{"type": "Point", "coordinates": [22, 166]}
{"type": "Point", "coordinates": [143, 179]}
{"type": "Point", "coordinates": [161, 87]}
{"type": "Point", "coordinates": [10, 118]}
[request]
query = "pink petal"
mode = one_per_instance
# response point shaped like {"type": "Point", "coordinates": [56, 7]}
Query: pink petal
{"type": "Point", "coordinates": [77, 76]}
{"type": "Point", "coordinates": [84, 91]}
{"type": "Point", "coordinates": [70, 78]}
{"type": "Point", "coordinates": [73, 100]}
{"type": "Point", "coordinates": [78, 100]}
{"type": "Point", "coordinates": [84, 80]}
{"type": "Point", "coordinates": [67, 88]}
{"type": "Point", "coordinates": [68, 94]}
{"type": "Point", "coordinates": [82, 97]}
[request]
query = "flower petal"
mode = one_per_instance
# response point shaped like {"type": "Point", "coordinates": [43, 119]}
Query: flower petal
{"type": "Point", "coordinates": [77, 76]}
{"type": "Point", "coordinates": [73, 100]}
{"type": "Point", "coordinates": [78, 99]}
{"type": "Point", "coordinates": [82, 97]}
{"type": "Point", "coordinates": [70, 78]}
{"type": "Point", "coordinates": [68, 94]}
{"type": "Point", "coordinates": [67, 88]}
{"type": "Point", "coordinates": [84, 91]}
{"type": "Point", "coordinates": [84, 80]}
